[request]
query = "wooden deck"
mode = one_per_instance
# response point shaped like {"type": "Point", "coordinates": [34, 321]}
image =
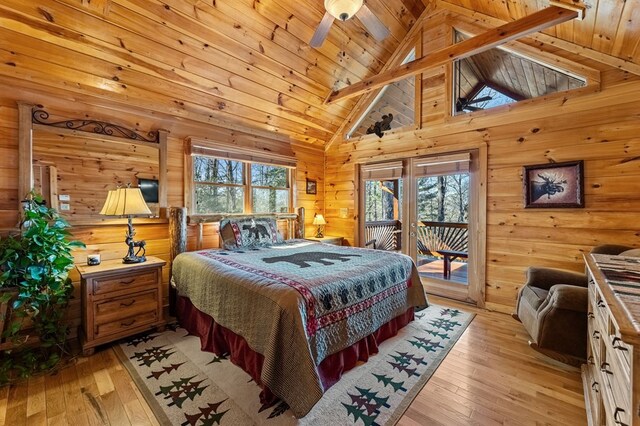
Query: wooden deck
{"type": "Point", "coordinates": [490, 377]}
{"type": "Point", "coordinates": [435, 269]}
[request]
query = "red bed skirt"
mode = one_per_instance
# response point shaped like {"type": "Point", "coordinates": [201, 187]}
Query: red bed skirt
{"type": "Point", "coordinates": [220, 340]}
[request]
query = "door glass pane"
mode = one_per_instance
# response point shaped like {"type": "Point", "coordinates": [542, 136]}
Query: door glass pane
{"type": "Point", "coordinates": [382, 213]}
{"type": "Point", "coordinates": [442, 226]}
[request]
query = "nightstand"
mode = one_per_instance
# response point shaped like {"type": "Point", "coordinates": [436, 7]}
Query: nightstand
{"type": "Point", "coordinates": [327, 239]}
{"type": "Point", "coordinates": [119, 300]}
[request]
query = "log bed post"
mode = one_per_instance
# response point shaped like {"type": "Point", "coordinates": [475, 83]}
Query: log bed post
{"type": "Point", "coordinates": [300, 224]}
{"type": "Point", "coordinates": [178, 239]}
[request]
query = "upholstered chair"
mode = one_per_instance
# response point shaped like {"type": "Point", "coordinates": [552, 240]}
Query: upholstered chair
{"type": "Point", "coordinates": [552, 306]}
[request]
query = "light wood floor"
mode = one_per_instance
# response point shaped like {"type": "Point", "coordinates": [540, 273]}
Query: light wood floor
{"type": "Point", "coordinates": [491, 376]}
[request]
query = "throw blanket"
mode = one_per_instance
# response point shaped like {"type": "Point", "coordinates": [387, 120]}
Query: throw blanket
{"type": "Point", "coordinates": [298, 302]}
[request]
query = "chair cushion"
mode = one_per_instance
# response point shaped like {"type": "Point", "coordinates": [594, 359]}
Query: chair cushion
{"type": "Point", "coordinates": [534, 296]}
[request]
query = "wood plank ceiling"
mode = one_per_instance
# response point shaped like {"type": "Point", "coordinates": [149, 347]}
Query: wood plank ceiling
{"type": "Point", "coordinates": [221, 61]}
{"type": "Point", "coordinates": [611, 27]}
{"type": "Point", "coordinates": [240, 63]}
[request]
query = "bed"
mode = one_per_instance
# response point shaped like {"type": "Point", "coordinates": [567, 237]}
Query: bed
{"type": "Point", "coordinates": [294, 314]}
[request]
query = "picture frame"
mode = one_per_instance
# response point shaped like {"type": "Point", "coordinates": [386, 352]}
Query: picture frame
{"type": "Point", "coordinates": [312, 186]}
{"type": "Point", "coordinates": [554, 185]}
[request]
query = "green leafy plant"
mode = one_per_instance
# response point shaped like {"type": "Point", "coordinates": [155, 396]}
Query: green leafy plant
{"type": "Point", "coordinates": [34, 278]}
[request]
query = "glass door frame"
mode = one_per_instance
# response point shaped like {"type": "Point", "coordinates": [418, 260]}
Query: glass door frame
{"type": "Point", "coordinates": [476, 269]}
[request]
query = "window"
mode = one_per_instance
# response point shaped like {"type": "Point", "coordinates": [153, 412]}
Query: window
{"type": "Point", "coordinates": [498, 77]}
{"type": "Point", "coordinates": [222, 185]}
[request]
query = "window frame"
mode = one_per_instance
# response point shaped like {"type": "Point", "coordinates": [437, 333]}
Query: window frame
{"type": "Point", "coordinates": [245, 156]}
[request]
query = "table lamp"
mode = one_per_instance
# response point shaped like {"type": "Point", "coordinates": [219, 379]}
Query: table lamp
{"type": "Point", "coordinates": [128, 202]}
{"type": "Point", "coordinates": [319, 221]}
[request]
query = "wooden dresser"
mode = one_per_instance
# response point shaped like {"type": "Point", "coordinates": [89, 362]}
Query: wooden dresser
{"type": "Point", "coordinates": [119, 300]}
{"type": "Point", "coordinates": [611, 377]}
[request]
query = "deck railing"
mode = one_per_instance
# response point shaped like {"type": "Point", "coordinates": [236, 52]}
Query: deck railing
{"type": "Point", "coordinates": [434, 236]}
{"type": "Point", "coordinates": [383, 234]}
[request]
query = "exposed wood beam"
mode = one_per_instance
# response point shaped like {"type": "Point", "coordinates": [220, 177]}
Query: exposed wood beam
{"type": "Point", "coordinates": [396, 58]}
{"type": "Point", "coordinates": [535, 22]}
{"type": "Point", "coordinates": [568, 46]}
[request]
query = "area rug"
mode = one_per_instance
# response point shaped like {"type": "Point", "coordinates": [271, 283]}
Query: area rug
{"type": "Point", "coordinates": [185, 386]}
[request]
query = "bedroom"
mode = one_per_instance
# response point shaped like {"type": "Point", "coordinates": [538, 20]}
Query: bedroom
{"type": "Point", "coordinates": [241, 76]}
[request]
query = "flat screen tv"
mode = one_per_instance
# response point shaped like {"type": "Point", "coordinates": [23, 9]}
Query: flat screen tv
{"type": "Point", "coordinates": [149, 189]}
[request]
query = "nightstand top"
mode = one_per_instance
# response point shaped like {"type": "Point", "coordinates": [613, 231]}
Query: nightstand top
{"type": "Point", "coordinates": [325, 239]}
{"type": "Point", "coordinates": [117, 265]}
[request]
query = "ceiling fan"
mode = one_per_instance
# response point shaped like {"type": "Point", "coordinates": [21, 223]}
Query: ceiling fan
{"type": "Point", "coordinates": [467, 104]}
{"type": "Point", "coordinates": [344, 10]}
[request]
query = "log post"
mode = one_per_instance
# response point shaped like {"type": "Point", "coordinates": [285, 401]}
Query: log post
{"type": "Point", "coordinates": [300, 224]}
{"type": "Point", "coordinates": [178, 239]}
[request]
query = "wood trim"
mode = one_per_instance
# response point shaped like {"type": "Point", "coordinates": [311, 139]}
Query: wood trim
{"type": "Point", "coordinates": [25, 151]}
{"type": "Point", "coordinates": [586, 52]}
{"type": "Point", "coordinates": [163, 179]}
{"type": "Point", "coordinates": [535, 22]}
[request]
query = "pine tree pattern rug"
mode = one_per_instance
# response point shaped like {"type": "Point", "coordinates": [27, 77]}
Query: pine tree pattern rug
{"type": "Point", "coordinates": [185, 386]}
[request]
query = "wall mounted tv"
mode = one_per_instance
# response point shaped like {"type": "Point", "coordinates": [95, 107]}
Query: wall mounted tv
{"type": "Point", "coordinates": [149, 189]}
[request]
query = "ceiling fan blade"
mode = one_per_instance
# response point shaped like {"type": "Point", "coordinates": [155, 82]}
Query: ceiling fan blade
{"type": "Point", "coordinates": [322, 31]}
{"type": "Point", "coordinates": [371, 22]}
{"type": "Point", "coordinates": [482, 99]}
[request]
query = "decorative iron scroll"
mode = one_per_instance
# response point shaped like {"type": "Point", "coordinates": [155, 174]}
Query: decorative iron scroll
{"type": "Point", "coordinates": [40, 116]}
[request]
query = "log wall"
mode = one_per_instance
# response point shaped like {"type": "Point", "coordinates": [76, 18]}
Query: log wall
{"type": "Point", "coordinates": [108, 240]}
{"type": "Point", "coordinates": [600, 128]}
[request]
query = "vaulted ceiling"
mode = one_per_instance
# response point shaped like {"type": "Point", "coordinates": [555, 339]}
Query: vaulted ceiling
{"type": "Point", "coordinates": [240, 62]}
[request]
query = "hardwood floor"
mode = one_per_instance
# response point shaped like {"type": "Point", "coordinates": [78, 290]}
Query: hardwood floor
{"type": "Point", "coordinates": [490, 377]}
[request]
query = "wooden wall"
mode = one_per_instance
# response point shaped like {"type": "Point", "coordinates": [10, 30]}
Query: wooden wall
{"type": "Point", "coordinates": [109, 239]}
{"type": "Point", "coordinates": [600, 128]}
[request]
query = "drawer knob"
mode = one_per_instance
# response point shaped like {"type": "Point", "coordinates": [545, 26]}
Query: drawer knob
{"type": "Point", "coordinates": [127, 282]}
{"type": "Point", "coordinates": [124, 305]}
{"type": "Point", "coordinates": [616, 343]}
{"type": "Point", "coordinates": [128, 323]}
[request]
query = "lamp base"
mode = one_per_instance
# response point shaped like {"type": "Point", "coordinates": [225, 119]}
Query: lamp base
{"type": "Point", "coordinates": [134, 259]}
{"type": "Point", "coordinates": [320, 233]}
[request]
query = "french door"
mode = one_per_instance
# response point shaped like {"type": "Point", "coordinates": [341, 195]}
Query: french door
{"type": "Point", "coordinates": [438, 222]}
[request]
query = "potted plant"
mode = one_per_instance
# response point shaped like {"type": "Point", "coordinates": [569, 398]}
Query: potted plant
{"type": "Point", "coordinates": [36, 288]}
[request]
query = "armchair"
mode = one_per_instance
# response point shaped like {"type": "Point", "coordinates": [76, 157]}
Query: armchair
{"type": "Point", "coordinates": [553, 306]}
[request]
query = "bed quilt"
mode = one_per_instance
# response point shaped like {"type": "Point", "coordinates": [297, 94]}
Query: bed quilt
{"type": "Point", "coordinates": [298, 302]}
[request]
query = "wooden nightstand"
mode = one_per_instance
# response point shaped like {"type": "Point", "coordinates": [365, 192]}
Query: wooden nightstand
{"type": "Point", "coordinates": [119, 300]}
{"type": "Point", "coordinates": [327, 239]}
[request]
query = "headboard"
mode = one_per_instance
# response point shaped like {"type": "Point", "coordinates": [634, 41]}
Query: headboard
{"type": "Point", "coordinates": [179, 221]}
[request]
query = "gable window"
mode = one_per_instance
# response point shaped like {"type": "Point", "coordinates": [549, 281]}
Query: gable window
{"type": "Point", "coordinates": [393, 108]}
{"type": "Point", "coordinates": [237, 181]}
{"type": "Point", "coordinates": [498, 77]}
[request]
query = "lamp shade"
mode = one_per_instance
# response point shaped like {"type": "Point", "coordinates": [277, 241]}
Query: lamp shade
{"type": "Point", "coordinates": [319, 220]}
{"type": "Point", "coordinates": [343, 9]}
{"type": "Point", "coordinates": [125, 202]}
{"type": "Point", "coordinates": [110, 203]}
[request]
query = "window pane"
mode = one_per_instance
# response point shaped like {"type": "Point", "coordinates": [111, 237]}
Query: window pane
{"type": "Point", "coordinates": [263, 175]}
{"type": "Point", "coordinates": [219, 199]}
{"type": "Point", "coordinates": [270, 200]}
{"type": "Point", "coordinates": [444, 198]}
{"type": "Point", "coordinates": [217, 170]}
{"type": "Point", "coordinates": [383, 200]}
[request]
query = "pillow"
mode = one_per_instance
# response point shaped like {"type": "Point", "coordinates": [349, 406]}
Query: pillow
{"type": "Point", "coordinates": [631, 253]}
{"type": "Point", "coordinates": [249, 232]}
